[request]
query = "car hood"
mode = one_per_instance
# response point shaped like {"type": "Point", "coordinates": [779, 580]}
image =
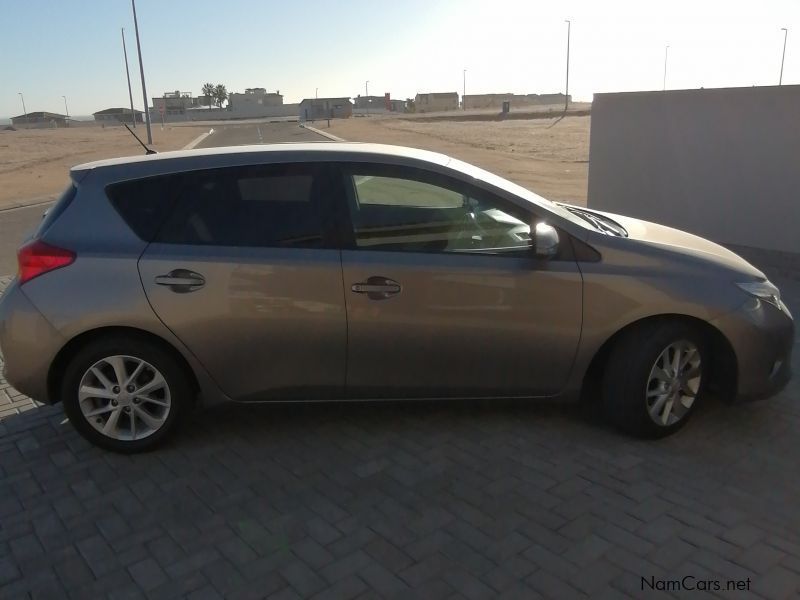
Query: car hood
{"type": "Point", "coordinates": [688, 244]}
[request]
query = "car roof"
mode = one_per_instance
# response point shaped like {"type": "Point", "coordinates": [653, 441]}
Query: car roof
{"type": "Point", "coordinates": [320, 150]}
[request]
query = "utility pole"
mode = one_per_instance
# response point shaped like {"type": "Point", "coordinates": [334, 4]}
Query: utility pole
{"type": "Point", "coordinates": [464, 93]}
{"type": "Point", "coordinates": [141, 69]}
{"type": "Point", "coordinates": [566, 93]}
{"type": "Point", "coordinates": [316, 93]}
{"type": "Point", "coordinates": [785, 33]}
{"type": "Point", "coordinates": [67, 109]}
{"type": "Point", "coordinates": [366, 94]}
{"type": "Point", "coordinates": [128, 75]}
{"type": "Point", "coordinates": [666, 55]}
{"type": "Point", "coordinates": [24, 110]}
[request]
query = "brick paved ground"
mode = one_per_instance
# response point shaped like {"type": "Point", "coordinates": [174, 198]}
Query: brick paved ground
{"type": "Point", "coordinates": [408, 501]}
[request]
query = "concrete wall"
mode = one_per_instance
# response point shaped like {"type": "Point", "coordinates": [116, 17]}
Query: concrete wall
{"type": "Point", "coordinates": [435, 102]}
{"type": "Point", "coordinates": [481, 101]}
{"type": "Point", "coordinates": [324, 108]}
{"type": "Point", "coordinates": [721, 163]}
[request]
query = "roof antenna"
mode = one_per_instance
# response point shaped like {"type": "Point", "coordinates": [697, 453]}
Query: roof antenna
{"type": "Point", "coordinates": [147, 150]}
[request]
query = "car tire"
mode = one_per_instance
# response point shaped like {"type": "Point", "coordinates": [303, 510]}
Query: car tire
{"type": "Point", "coordinates": [644, 394]}
{"type": "Point", "coordinates": [144, 412]}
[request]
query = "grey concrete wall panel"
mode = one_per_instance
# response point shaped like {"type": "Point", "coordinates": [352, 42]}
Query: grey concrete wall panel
{"type": "Point", "coordinates": [721, 163]}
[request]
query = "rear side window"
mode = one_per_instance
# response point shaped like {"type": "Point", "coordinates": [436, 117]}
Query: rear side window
{"type": "Point", "coordinates": [143, 204]}
{"type": "Point", "coordinates": [57, 209]}
{"type": "Point", "coordinates": [263, 206]}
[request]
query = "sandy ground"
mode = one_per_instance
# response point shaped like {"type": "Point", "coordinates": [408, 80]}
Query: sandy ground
{"type": "Point", "coordinates": [552, 161]}
{"type": "Point", "coordinates": [35, 163]}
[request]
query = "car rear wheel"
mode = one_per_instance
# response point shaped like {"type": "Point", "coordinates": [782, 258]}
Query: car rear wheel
{"type": "Point", "coordinates": [654, 378]}
{"type": "Point", "coordinates": [124, 394]}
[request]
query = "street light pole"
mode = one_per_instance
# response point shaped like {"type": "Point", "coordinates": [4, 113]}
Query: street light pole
{"type": "Point", "coordinates": [785, 33]}
{"type": "Point", "coordinates": [24, 110]}
{"type": "Point", "coordinates": [67, 109]}
{"type": "Point", "coordinates": [464, 93]}
{"type": "Point", "coordinates": [128, 75]}
{"type": "Point", "coordinates": [666, 55]}
{"type": "Point", "coordinates": [141, 70]}
{"type": "Point", "coordinates": [566, 94]}
{"type": "Point", "coordinates": [366, 94]}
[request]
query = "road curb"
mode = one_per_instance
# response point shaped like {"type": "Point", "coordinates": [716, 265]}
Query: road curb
{"type": "Point", "coordinates": [40, 201]}
{"type": "Point", "coordinates": [330, 136]}
{"type": "Point", "coordinates": [197, 140]}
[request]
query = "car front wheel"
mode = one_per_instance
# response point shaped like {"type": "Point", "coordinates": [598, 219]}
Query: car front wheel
{"type": "Point", "coordinates": [654, 378]}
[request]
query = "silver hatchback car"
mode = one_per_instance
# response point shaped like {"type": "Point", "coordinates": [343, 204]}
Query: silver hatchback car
{"type": "Point", "coordinates": [300, 272]}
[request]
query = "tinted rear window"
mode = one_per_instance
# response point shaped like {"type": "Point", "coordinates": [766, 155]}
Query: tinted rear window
{"type": "Point", "coordinates": [266, 206]}
{"type": "Point", "coordinates": [143, 204]}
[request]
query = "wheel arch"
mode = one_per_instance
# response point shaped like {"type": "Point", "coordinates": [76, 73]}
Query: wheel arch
{"type": "Point", "coordinates": [61, 360]}
{"type": "Point", "coordinates": [722, 355]}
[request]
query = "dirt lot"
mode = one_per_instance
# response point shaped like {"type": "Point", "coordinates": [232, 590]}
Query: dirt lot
{"type": "Point", "coordinates": [34, 163]}
{"type": "Point", "coordinates": [552, 161]}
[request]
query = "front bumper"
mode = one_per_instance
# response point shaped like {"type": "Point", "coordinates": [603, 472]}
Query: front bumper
{"type": "Point", "coordinates": [28, 342]}
{"type": "Point", "coordinates": [762, 337]}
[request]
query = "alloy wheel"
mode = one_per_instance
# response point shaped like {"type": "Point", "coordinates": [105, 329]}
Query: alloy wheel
{"type": "Point", "coordinates": [124, 398]}
{"type": "Point", "coordinates": [673, 383]}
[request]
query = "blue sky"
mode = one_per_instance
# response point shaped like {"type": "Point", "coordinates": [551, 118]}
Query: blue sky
{"type": "Point", "coordinates": [73, 48]}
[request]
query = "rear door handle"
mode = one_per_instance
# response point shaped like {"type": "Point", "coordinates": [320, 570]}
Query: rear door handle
{"type": "Point", "coordinates": [181, 280]}
{"type": "Point", "coordinates": [377, 288]}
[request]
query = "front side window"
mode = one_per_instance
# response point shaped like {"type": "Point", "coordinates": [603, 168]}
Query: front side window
{"type": "Point", "coordinates": [269, 206]}
{"type": "Point", "coordinates": [416, 211]}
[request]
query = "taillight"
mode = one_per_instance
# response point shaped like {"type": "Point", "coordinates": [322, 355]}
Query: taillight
{"type": "Point", "coordinates": [36, 258]}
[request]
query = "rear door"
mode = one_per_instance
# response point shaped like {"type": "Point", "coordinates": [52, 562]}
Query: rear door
{"type": "Point", "coordinates": [445, 296]}
{"type": "Point", "coordinates": [244, 272]}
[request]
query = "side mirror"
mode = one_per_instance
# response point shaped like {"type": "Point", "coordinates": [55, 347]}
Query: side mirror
{"type": "Point", "coordinates": [545, 240]}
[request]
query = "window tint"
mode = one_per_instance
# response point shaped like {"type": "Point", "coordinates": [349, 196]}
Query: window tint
{"type": "Point", "coordinates": [394, 191]}
{"type": "Point", "coordinates": [143, 204]}
{"type": "Point", "coordinates": [421, 213]}
{"type": "Point", "coordinates": [259, 206]}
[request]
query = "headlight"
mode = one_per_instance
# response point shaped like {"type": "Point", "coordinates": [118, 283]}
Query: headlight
{"type": "Point", "coordinates": [764, 290]}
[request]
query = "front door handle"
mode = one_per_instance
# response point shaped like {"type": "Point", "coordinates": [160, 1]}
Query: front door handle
{"type": "Point", "coordinates": [377, 288]}
{"type": "Point", "coordinates": [181, 281]}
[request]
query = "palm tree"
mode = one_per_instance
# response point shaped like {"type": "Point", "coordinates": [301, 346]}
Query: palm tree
{"type": "Point", "coordinates": [208, 92]}
{"type": "Point", "coordinates": [220, 94]}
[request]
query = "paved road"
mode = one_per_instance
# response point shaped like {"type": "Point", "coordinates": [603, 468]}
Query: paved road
{"type": "Point", "coordinates": [235, 135]}
{"type": "Point", "coordinates": [415, 500]}
{"type": "Point", "coordinates": [16, 223]}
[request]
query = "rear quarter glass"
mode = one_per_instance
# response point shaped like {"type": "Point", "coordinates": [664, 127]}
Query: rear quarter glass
{"type": "Point", "coordinates": [142, 203]}
{"type": "Point", "coordinates": [56, 210]}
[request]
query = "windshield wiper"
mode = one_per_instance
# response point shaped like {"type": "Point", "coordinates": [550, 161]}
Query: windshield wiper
{"type": "Point", "coordinates": [600, 222]}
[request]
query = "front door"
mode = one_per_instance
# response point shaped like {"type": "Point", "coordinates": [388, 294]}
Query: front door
{"type": "Point", "coordinates": [444, 295]}
{"type": "Point", "coordinates": [243, 272]}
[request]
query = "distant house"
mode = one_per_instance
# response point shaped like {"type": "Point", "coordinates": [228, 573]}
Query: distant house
{"type": "Point", "coordinates": [175, 103]}
{"type": "Point", "coordinates": [325, 108]}
{"type": "Point", "coordinates": [40, 119]}
{"type": "Point", "coordinates": [118, 115]}
{"type": "Point", "coordinates": [369, 102]}
{"type": "Point", "coordinates": [254, 97]}
{"type": "Point", "coordinates": [495, 101]}
{"type": "Point", "coordinates": [378, 104]}
{"type": "Point", "coordinates": [398, 105]}
{"type": "Point", "coordinates": [436, 101]}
